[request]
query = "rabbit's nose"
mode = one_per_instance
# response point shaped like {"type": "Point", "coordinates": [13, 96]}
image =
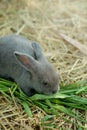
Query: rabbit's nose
{"type": "Point", "coordinates": [56, 90]}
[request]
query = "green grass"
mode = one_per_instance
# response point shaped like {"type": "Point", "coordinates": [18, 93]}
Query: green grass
{"type": "Point", "coordinates": [70, 99]}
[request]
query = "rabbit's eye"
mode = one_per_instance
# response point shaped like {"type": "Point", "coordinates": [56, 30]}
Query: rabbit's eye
{"type": "Point", "coordinates": [45, 83]}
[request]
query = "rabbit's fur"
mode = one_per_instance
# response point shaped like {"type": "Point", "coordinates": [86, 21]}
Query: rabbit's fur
{"type": "Point", "coordinates": [23, 61]}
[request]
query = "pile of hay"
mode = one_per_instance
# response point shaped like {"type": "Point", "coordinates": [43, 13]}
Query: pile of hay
{"type": "Point", "coordinates": [43, 21]}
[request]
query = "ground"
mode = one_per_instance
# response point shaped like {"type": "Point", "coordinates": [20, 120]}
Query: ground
{"type": "Point", "coordinates": [43, 21]}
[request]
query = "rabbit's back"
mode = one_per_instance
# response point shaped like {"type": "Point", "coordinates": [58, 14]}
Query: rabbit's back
{"type": "Point", "coordinates": [8, 45]}
{"type": "Point", "coordinates": [11, 43]}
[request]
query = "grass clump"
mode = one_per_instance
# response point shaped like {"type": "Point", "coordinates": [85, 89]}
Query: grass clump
{"type": "Point", "coordinates": [70, 101]}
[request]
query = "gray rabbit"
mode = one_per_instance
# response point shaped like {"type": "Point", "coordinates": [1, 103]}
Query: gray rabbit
{"type": "Point", "coordinates": [23, 61]}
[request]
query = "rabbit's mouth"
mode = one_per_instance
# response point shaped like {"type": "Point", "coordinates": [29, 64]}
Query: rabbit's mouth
{"type": "Point", "coordinates": [32, 91]}
{"type": "Point", "coordinates": [52, 91]}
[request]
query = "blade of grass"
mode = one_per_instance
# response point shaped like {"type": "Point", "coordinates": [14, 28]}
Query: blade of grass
{"type": "Point", "coordinates": [45, 118]}
{"type": "Point", "coordinates": [3, 88]}
{"type": "Point", "coordinates": [43, 97]}
{"type": "Point", "coordinates": [69, 112]}
{"type": "Point", "coordinates": [27, 108]}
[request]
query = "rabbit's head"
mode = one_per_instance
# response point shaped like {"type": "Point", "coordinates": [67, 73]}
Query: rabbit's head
{"type": "Point", "coordinates": [44, 78]}
{"type": "Point", "coordinates": [47, 78]}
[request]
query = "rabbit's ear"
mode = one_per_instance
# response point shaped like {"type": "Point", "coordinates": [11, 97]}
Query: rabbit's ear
{"type": "Point", "coordinates": [37, 50]}
{"type": "Point", "coordinates": [27, 62]}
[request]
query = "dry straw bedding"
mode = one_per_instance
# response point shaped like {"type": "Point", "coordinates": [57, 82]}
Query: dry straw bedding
{"type": "Point", "coordinates": [42, 21]}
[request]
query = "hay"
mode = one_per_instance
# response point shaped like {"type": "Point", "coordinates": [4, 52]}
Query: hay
{"type": "Point", "coordinates": [42, 21]}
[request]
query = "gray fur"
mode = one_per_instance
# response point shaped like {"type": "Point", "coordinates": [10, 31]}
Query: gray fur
{"type": "Point", "coordinates": [23, 61]}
